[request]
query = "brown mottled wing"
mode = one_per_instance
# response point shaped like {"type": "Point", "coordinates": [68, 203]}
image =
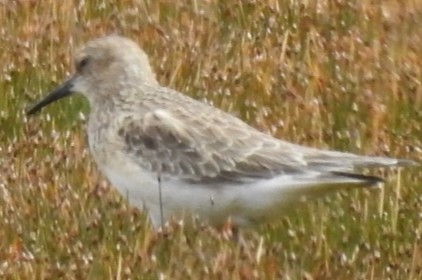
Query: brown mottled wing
{"type": "Point", "coordinates": [205, 145]}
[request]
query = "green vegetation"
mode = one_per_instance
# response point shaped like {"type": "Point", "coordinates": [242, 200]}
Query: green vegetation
{"type": "Point", "coordinates": [339, 74]}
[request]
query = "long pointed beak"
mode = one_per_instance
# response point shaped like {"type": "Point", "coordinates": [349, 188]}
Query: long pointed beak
{"type": "Point", "coordinates": [63, 90]}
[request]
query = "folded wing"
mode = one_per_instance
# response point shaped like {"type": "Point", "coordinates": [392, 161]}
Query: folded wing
{"type": "Point", "coordinates": [219, 148]}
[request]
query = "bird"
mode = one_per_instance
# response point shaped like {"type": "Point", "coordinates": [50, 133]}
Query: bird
{"type": "Point", "coordinates": [177, 157]}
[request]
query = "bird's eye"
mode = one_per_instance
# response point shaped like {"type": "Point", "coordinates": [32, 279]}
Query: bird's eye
{"type": "Point", "coordinates": [82, 63]}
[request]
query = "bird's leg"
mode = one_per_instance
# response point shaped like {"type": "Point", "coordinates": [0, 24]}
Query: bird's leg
{"type": "Point", "coordinates": [160, 199]}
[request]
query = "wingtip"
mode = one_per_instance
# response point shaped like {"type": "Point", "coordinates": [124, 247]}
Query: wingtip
{"type": "Point", "coordinates": [373, 162]}
{"type": "Point", "coordinates": [406, 162]}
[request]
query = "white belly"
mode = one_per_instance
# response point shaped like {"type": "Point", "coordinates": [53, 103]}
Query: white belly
{"type": "Point", "coordinates": [244, 204]}
{"type": "Point", "coordinates": [179, 200]}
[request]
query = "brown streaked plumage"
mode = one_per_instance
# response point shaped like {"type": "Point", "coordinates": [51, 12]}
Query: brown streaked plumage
{"type": "Point", "coordinates": [211, 164]}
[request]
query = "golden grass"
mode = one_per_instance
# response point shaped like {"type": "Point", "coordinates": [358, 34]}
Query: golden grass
{"type": "Point", "coordinates": [339, 74]}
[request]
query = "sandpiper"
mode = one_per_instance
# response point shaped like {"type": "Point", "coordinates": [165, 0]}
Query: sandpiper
{"type": "Point", "coordinates": [175, 156]}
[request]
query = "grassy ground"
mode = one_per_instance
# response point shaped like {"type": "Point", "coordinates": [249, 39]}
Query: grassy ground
{"type": "Point", "coordinates": [339, 74]}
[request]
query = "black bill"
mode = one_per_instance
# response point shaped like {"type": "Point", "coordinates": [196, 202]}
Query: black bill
{"type": "Point", "coordinates": [62, 91]}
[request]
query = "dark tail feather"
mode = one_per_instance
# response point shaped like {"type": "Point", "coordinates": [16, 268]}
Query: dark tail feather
{"type": "Point", "coordinates": [369, 180]}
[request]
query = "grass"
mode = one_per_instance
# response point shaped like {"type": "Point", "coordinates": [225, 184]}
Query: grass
{"type": "Point", "coordinates": [330, 74]}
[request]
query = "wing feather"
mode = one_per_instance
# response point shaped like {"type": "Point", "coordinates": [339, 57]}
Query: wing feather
{"type": "Point", "coordinates": [211, 145]}
{"type": "Point", "coordinates": [174, 144]}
